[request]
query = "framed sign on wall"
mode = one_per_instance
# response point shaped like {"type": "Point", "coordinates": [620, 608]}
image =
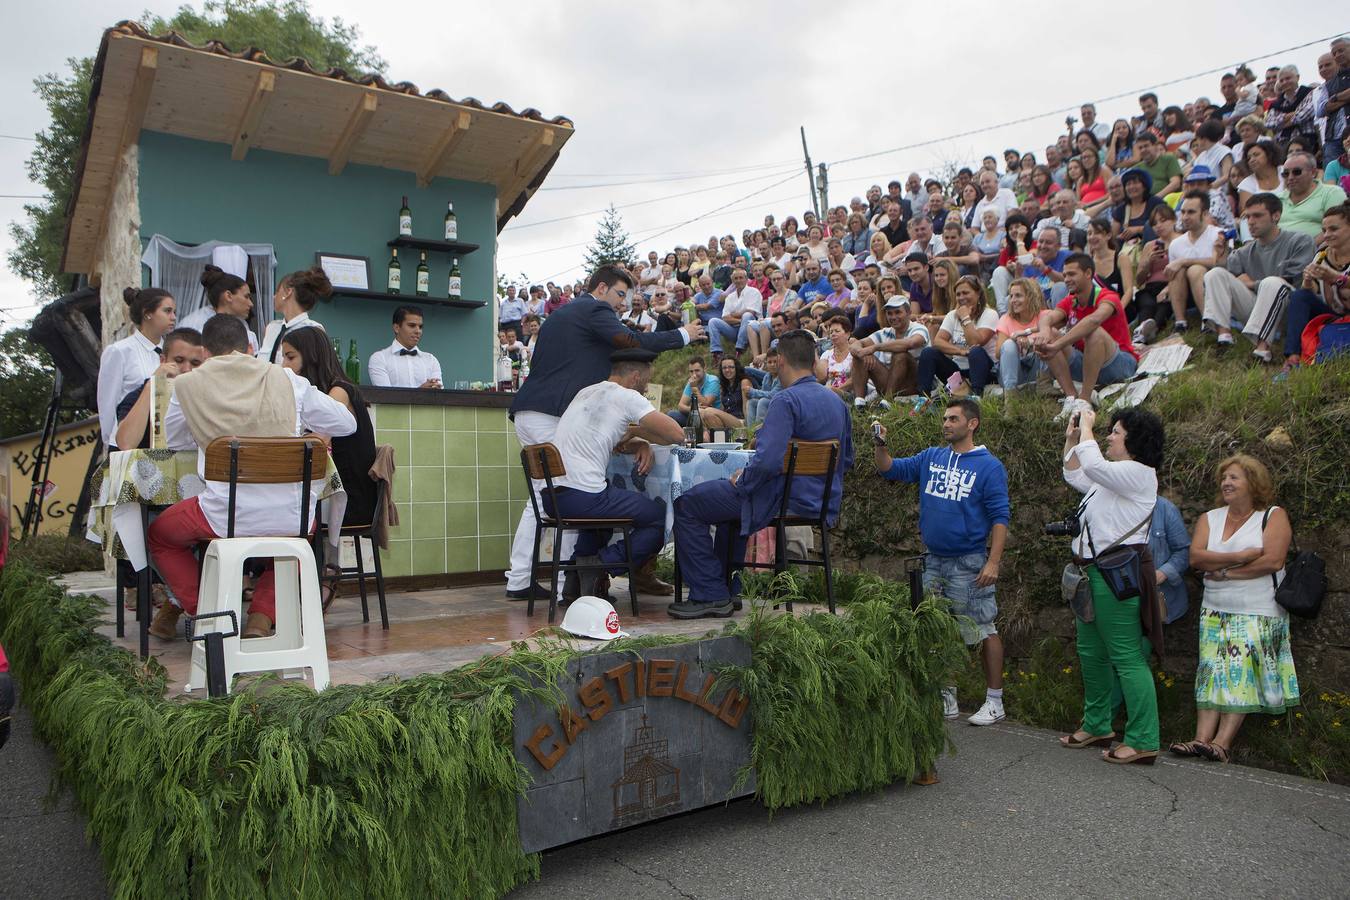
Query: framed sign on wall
{"type": "Point", "coordinates": [344, 270]}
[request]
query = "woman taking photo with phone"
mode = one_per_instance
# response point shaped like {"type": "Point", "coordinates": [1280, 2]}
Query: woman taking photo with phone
{"type": "Point", "coordinates": [1115, 636]}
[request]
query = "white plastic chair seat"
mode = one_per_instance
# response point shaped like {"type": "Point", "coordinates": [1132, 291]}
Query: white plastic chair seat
{"type": "Point", "coordinates": [299, 642]}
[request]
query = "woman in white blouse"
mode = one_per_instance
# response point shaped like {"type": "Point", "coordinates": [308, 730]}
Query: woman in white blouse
{"type": "Point", "coordinates": [1115, 637]}
{"type": "Point", "coordinates": [295, 296]}
{"type": "Point", "coordinates": [1245, 663]}
{"type": "Point", "coordinates": [126, 364]}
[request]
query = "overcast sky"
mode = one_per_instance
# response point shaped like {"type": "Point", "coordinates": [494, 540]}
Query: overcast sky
{"type": "Point", "coordinates": [708, 88]}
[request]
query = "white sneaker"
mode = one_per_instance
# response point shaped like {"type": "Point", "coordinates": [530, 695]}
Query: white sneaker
{"type": "Point", "coordinates": [859, 402]}
{"type": "Point", "coordinates": [1263, 355]}
{"type": "Point", "coordinates": [1224, 340]}
{"type": "Point", "coordinates": [1147, 331]}
{"type": "Point", "coordinates": [991, 712]}
{"type": "Point", "coordinates": [949, 708]}
{"type": "Point", "coordinates": [1067, 407]}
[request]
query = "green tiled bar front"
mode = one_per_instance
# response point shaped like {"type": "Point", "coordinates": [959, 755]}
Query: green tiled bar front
{"type": "Point", "coordinates": [458, 486]}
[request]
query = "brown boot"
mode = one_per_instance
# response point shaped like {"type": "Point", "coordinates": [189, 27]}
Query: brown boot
{"type": "Point", "coordinates": [646, 582]}
{"type": "Point", "coordinates": [165, 624]}
{"type": "Point", "coordinates": [258, 625]}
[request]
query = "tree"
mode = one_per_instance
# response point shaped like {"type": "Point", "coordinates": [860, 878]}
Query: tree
{"type": "Point", "coordinates": [25, 383]}
{"type": "Point", "coordinates": [281, 28]}
{"type": "Point", "coordinates": [611, 245]}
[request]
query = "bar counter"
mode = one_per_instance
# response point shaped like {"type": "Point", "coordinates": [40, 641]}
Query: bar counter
{"type": "Point", "coordinates": [458, 483]}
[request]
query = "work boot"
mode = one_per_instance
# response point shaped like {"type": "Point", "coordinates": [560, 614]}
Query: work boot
{"type": "Point", "coordinates": [646, 582]}
{"type": "Point", "coordinates": [257, 625]}
{"type": "Point", "coordinates": [165, 624]}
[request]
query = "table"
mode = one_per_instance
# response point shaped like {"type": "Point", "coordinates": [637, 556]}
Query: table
{"type": "Point", "coordinates": [674, 471]}
{"type": "Point", "coordinates": [131, 483]}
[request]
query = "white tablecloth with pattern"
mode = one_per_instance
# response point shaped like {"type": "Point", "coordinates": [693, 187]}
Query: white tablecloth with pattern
{"type": "Point", "coordinates": [674, 471]}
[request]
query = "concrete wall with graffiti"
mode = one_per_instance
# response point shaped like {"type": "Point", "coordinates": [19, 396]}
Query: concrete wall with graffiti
{"type": "Point", "coordinates": [61, 491]}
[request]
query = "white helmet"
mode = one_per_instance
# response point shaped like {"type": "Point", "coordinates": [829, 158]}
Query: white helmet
{"type": "Point", "coordinates": [592, 617]}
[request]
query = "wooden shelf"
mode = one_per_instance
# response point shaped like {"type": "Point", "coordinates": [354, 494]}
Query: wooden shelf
{"type": "Point", "coordinates": [411, 299]}
{"type": "Point", "coordinates": [416, 243]}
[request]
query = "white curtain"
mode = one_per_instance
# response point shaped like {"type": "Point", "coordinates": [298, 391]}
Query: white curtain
{"type": "Point", "coordinates": [178, 269]}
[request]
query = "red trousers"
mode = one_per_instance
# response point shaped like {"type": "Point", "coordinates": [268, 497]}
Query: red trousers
{"type": "Point", "coordinates": [174, 535]}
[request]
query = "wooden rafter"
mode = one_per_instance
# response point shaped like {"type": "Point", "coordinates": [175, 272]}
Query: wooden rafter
{"type": "Point", "coordinates": [444, 146]}
{"type": "Point", "coordinates": [139, 101]}
{"type": "Point", "coordinates": [263, 90]}
{"type": "Point", "coordinates": [356, 126]}
{"type": "Point", "coordinates": [518, 176]}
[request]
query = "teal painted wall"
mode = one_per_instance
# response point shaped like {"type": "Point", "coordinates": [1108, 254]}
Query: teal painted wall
{"type": "Point", "coordinates": [191, 192]}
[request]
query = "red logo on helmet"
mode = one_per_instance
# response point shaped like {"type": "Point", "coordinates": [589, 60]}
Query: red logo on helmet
{"type": "Point", "coordinates": [612, 622]}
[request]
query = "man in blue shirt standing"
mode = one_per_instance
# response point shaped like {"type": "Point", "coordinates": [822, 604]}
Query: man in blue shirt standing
{"type": "Point", "coordinates": [738, 507]}
{"type": "Point", "coordinates": [963, 500]}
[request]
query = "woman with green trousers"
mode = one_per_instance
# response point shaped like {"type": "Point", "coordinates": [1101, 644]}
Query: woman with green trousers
{"type": "Point", "coordinates": [1120, 489]}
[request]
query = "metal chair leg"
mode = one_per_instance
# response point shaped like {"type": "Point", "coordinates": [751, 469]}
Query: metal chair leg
{"type": "Point", "coordinates": [379, 579]}
{"type": "Point", "coordinates": [361, 580]}
{"type": "Point", "coordinates": [780, 556]}
{"type": "Point", "coordinates": [632, 571]}
{"type": "Point", "coordinates": [829, 570]}
{"type": "Point", "coordinates": [553, 580]}
{"type": "Point", "coordinates": [534, 567]}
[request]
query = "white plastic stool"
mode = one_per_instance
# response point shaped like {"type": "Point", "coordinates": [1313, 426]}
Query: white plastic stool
{"type": "Point", "coordinates": [299, 641]}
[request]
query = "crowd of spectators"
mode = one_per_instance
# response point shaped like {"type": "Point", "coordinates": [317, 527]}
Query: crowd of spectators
{"type": "Point", "coordinates": [1226, 216]}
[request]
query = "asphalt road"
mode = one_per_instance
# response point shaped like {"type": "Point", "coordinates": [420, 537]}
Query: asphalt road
{"type": "Point", "coordinates": [1014, 816]}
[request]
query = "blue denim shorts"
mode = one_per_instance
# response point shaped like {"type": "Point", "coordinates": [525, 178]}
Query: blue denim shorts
{"type": "Point", "coordinates": [1118, 368]}
{"type": "Point", "coordinates": [954, 577]}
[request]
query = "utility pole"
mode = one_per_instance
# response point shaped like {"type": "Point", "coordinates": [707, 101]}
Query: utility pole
{"type": "Point", "coordinates": [810, 179]}
{"type": "Point", "coordinates": [823, 186]}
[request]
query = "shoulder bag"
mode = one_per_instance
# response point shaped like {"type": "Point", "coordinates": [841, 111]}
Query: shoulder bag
{"type": "Point", "coordinates": [1305, 580]}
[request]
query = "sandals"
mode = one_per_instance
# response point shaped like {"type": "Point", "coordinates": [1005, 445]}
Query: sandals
{"type": "Point", "coordinates": [1143, 757]}
{"type": "Point", "coordinates": [1093, 740]}
{"type": "Point", "coordinates": [1212, 752]}
{"type": "Point", "coordinates": [329, 585]}
{"type": "Point", "coordinates": [1186, 748]}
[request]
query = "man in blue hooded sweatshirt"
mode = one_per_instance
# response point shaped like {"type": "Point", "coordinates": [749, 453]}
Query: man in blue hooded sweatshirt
{"type": "Point", "coordinates": [963, 499]}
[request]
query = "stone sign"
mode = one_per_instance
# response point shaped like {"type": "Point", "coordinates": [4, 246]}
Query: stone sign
{"type": "Point", "coordinates": [644, 735]}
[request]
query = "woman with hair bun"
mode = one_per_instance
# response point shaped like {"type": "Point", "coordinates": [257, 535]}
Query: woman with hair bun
{"type": "Point", "coordinates": [226, 294]}
{"type": "Point", "coordinates": [125, 365]}
{"type": "Point", "coordinates": [295, 296]}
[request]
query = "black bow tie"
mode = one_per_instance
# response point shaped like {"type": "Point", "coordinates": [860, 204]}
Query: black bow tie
{"type": "Point", "coordinates": [159, 351]}
{"type": "Point", "coordinates": [406, 352]}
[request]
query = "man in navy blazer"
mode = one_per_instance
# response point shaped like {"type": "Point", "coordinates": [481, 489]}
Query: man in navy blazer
{"type": "Point", "coordinates": [738, 507]}
{"type": "Point", "coordinates": [572, 352]}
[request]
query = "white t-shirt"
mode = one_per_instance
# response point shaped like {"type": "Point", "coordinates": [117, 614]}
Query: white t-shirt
{"type": "Point", "coordinates": [593, 423]}
{"type": "Point", "coordinates": [1182, 247]}
{"type": "Point", "coordinates": [988, 319]}
{"type": "Point", "coordinates": [749, 300]}
{"type": "Point", "coordinates": [887, 334]}
{"type": "Point", "coordinates": [651, 276]}
{"type": "Point", "coordinates": [1003, 202]}
{"type": "Point", "coordinates": [1249, 596]}
{"type": "Point", "coordinates": [1252, 186]}
{"type": "Point", "coordinates": [1213, 158]}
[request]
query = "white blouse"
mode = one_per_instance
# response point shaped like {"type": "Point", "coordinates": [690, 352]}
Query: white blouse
{"type": "Point", "coordinates": [272, 336]}
{"type": "Point", "coordinates": [1249, 596]}
{"type": "Point", "coordinates": [198, 318]}
{"type": "Point", "coordinates": [1122, 494]}
{"type": "Point", "coordinates": [123, 367]}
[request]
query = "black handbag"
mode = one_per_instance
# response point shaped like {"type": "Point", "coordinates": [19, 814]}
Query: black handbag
{"type": "Point", "coordinates": [1305, 581]}
{"type": "Point", "coordinates": [1120, 563]}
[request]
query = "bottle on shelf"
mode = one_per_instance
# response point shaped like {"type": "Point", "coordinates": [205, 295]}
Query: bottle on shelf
{"type": "Point", "coordinates": [395, 273]}
{"type": "Point", "coordinates": [451, 223]}
{"type": "Point", "coordinates": [504, 372]}
{"type": "Point", "coordinates": [515, 375]}
{"type": "Point", "coordinates": [352, 368]}
{"type": "Point", "coordinates": [337, 349]}
{"type": "Point", "coordinates": [423, 276]}
{"type": "Point", "coordinates": [405, 220]}
{"type": "Point", "coordinates": [455, 288]}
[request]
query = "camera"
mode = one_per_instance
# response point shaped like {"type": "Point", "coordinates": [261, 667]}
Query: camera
{"type": "Point", "coordinates": [1070, 526]}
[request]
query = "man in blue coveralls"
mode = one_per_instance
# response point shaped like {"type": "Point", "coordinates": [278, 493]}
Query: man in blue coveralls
{"type": "Point", "coordinates": [743, 504]}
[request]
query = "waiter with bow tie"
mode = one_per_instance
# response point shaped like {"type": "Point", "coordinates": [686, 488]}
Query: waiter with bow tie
{"type": "Point", "coordinates": [402, 364]}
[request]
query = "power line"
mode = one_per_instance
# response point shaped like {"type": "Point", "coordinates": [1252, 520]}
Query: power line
{"type": "Point", "coordinates": [18, 137]}
{"type": "Point", "coordinates": [604, 184]}
{"type": "Point", "coordinates": [716, 187]}
{"type": "Point", "coordinates": [730, 171]}
{"type": "Point", "coordinates": [1058, 110]}
{"type": "Point", "coordinates": [22, 197]}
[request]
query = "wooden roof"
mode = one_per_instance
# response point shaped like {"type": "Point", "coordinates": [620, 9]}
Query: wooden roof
{"type": "Point", "coordinates": [244, 99]}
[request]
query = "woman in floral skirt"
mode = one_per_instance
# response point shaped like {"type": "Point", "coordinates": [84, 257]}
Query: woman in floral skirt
{"type": "Point", "coordinates": [1245, 663]}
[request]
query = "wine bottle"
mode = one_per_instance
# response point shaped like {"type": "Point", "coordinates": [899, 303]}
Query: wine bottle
{"type": "Point", "coordinates": [695, 418]}
{"type": "Point", "coordinates": [337, 349]}
{"type": "Point", "coordinates": [395, 273]}
{"type": "Point", "coordinates": [455, 289]}
{"type": "Point", "coordinates": [423, 276]}
{"type": "Point", "coordinates": [451, 223]}
{"type": "Point", "coordinates": [405, 220]}
{"type": "Point", "coordinates": [353, 366]}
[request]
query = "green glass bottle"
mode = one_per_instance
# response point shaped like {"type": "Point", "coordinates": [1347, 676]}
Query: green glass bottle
{"type": "Point", "coordinates": [395, 274]}
{"type": "Point", "coordinates": [451, 223]}
{"type": "Point", "coordinates": [353, 365]}
{"type": "Point", "coordinates": [423, 276]}
{"type": "Point", "coordinates": [337, 349]}
{"type": "Point", "coordinates": [405, 220]}
{"type": "Point", "coordinates": [455, 288]}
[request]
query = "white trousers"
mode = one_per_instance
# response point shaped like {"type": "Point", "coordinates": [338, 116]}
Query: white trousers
{"type": "Point", "coordinates": [533, 428]}
{"type": "Point", "coordinates": [1261, 312]}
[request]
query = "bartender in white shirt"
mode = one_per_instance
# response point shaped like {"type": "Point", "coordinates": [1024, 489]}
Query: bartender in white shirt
{"type": "Point", "coordinates": [125, 365]}
{"type": "Point", "coordinates": [227, 295]}
{"type": "Point", "coordinates": [402, 364]}
{"type": "Point", "coordinates": [296, 295]}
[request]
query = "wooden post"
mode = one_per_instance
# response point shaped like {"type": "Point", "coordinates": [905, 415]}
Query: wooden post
{"type": "Point", "coordinates": [249, 122]}
{"type": "Point", "coordinates": [444, 146]}
{"type": "Point", "coordinates": [356, 126]}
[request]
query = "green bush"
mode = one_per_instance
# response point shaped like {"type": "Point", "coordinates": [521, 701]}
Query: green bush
{"type": "Point", "coordinates": [58, 554]}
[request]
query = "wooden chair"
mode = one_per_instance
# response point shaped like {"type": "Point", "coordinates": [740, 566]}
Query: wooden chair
{"type": "Point", "coordinates": [806, 459]}
{"type": "Point", "coordinates": [543, 462]}
{"type": "Point", "coordinates": [357, 572]}
{"type": "Point", "coordinates": [272, 460]}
